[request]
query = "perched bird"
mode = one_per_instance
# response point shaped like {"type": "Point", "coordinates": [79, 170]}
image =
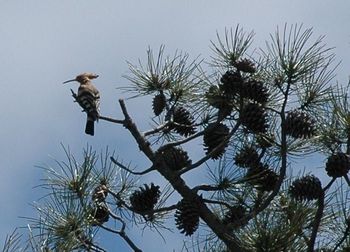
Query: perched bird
{"type": "Point", "coordinates": [88, 98]}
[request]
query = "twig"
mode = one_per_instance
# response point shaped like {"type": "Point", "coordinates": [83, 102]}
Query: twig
{"type": "Point", "coordinates": [163, 209]}
{"type": "Point", "coordinates": [124, 236]}
{"type": "Point", "coordinates": [128, 170]}
{"type": "Point", "coordinates": [346, 234]}
{"type": "Point", "coordinates": [156, 130]}
{"type": "Point", "coordinates": [205, 188]}
{"type": "Point", "coordinates": [149, 213]}
{"type": "Point", "coordinates": [94, 247]}
{"type": "Point", "coordinates": [217, 202]}
{"type": "Point", "coordinates": [109, 119]}
{"type": "Point", "coordinates": [209, 155]}
{"type": "Point", "coordinates": [347, 179]}
{"type": "Point", "coordinates": [119, 200]}
{"type": "Point", "coordinates": [329, 184]}
{"type": "Point", "coordinates": [316, 223]}
{"type": "Point", "coordinates": [118, 219]}
{"type": "Point", "coordinates": [99, 248]}
{"type": "Point", "coordinates": [176, 143]}
{"type": "Point", "coordinates": [169, 123]}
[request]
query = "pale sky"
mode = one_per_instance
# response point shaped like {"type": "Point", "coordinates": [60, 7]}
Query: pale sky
{"type": "Point", "coordinates": [43, 43]}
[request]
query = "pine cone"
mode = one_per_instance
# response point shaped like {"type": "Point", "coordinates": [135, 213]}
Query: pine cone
{"type": "Point", "coordinates": [216, 98]}
{"type": "Point", "coordinates": [100, 214]}
{"type": "Point", "coordinates": [159, 102]}
{"type": "Point", "coordinates": [247, 157]}
{"type": "Point", "coordinates": [183, 122]}
{"type": "Point", "coordinates": [299, 124]}
{"type": "Point", "coordinates": [256, 91]}
{"type": "Point", "coordinates": [175, 158]}
{"type": "Point", "coordinates": [235, 216]}
{"type": "Point", "coordinates": [100, 193]}
{"type": "Point", "coordinates": [145, 199]}
{"type": "Point", "coordinates": [187, 217]}
{"type": "Point", "coordinates": [338, 165]}
{"type": "Point", "coordinates": [262, 177]}
{"type": "Point", "coordinates": [255, 173]}
{"type": "Point", "coordinates": [306, 188]}
{"type": "Point", "coordinates": [231, 83]}
{"type": "Point", "coordinates": [268, 180]}
{"type": "Point", "coordinates": [245, 65]}
{"type": "Point", "coordinates": [215, 135]}
{"type": "Point", "coordinates": [254, 118]}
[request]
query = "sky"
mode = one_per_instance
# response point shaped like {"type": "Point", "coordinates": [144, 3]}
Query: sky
{"type": "Point", "coordinates": [43, 43]}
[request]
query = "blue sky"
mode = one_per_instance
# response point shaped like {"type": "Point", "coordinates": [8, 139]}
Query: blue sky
{"type": "Point", "coordinates": [43, 43]}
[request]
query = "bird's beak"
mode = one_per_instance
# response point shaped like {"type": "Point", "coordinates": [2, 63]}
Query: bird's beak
{"type": "Point", "coordinates": [69, 81]}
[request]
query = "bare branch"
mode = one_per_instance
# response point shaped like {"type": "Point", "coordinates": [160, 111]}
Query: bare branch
{"type": "Point", "coordinates": [156, 130]}
{"type": "Point", "coordinates": [128, 170]}
{"type": "Point", "coordinates": [130, 125]}
{"type": "Point", "coordinates": [118, 219]}
{"type": "Point", "coordinates": [124, 236]}
{"type": "Point", "coordinates": [110, 119]}
{"type": "Point", "coordinates": [185, 140]}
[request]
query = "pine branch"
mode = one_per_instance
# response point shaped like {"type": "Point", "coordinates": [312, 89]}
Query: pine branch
{"type": "Point", "coordinates": [180, 185]}
{"type": "Point", "coordinates": [316, 224]}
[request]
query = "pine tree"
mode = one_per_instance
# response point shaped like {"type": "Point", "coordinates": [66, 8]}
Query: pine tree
{"type": "Point", "coordinates": [252, 115]}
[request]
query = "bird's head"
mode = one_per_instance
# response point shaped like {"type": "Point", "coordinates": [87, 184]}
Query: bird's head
{"type": "Point", "coordinates": [83, 78]}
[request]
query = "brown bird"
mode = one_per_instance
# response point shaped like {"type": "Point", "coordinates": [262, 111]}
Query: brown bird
{"type": "Point", "coordinates": [88, 98]}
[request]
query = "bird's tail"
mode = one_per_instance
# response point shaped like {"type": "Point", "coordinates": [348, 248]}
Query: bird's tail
{"type": "Point", "coordinates": [90, 127]}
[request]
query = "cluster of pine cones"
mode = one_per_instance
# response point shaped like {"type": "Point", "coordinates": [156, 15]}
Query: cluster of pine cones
{"type": "Point", "coordinates": [238, 90]}
{"type": "Point", "coordinates": [309, 187]}
{"type": "Point", "coordinates": [144, 200]}
{"type": "Point", "coordinates": [239, 86]}
{"type": "Point", "coordinates": [182, 122]}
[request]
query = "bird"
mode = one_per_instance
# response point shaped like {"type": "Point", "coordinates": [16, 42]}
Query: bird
{"type": "Point", "coordinates": [88, 98]}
